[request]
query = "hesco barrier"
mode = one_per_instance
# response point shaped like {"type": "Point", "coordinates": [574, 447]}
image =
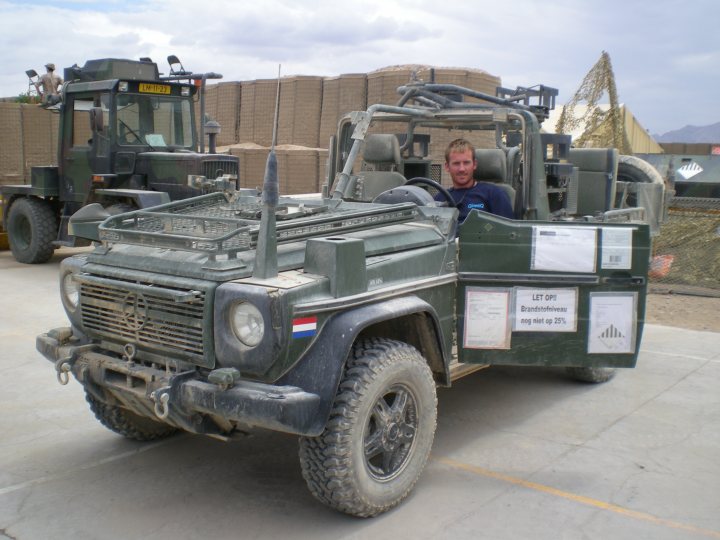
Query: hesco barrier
{"type": "Point", "coordinates": [222, 103]}
{"type": "Point", "coordinates": [300, 170]}
{"type": "Point", "coordinates": [340, 95]}
{"type": "Point", "coordinates": [686, 254]}
{"type": "Point", "coordinates": [28, 137]}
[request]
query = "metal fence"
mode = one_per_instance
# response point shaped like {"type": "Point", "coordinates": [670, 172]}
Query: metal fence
{"type": "Point", "coordinates": [686, 254]}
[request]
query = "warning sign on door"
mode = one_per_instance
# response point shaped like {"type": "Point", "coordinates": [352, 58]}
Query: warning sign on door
{"type": "Point", "coordinates": [613, 320]}
{"type": "Point", "coordinates": [487, 321]}
{"type": "Point", "coordinates": [545, 310]}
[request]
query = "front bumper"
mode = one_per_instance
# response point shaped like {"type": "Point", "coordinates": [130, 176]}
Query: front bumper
{"type": "Point", "coordinates": [183, 399]}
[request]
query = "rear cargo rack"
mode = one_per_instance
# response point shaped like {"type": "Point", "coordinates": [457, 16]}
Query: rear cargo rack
{"type": "Point", "coordinates": [220, 224]}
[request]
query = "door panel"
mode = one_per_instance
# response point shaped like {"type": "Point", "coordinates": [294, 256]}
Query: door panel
{"type": "Point", "coordinates": [551, 293]}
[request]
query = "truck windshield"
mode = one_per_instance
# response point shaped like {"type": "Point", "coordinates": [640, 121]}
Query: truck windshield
{"type": "Point", "coordinates": [155, 121]}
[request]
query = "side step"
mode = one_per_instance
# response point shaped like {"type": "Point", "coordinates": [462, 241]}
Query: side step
{"type": "Point", "coordinates": [458, 370]}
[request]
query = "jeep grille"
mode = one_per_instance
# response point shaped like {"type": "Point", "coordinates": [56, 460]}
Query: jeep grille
{"type": "Point", "coordinates": [215, 168]}
{"type": "Point", "coordinates": [153, 322]}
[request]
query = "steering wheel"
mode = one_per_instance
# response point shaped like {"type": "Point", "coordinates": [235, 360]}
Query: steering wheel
{"type": "Point", "coordinates": [435, 185]}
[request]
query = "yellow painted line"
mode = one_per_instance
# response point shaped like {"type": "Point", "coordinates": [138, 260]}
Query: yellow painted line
{"type": "Point", "coordinates": [588, 501]}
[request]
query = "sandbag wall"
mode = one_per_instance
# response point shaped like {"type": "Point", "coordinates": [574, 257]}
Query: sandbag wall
{"type": "Point", "coordinates": [28, 136]}
{"type": "Point", "coordinates": [310, 108]}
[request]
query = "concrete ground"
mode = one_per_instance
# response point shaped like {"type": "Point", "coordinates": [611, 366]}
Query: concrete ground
{"type": "Point", "coordinates": [519, 453]}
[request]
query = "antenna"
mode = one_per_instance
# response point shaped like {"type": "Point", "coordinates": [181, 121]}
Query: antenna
{"type": "Point", "coordinates": [266, 263]}
{"type": "Point", "coordinates": [277, 109]}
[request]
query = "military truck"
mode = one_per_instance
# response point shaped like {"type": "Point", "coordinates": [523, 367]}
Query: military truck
{"type": "Point", "coordinates": [127, 140]}
{"type": "Point", "coordinates": [335, 316]}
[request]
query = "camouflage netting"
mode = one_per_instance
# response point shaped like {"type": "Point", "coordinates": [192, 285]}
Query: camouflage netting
{"type": "Point", "coordinates": [687, 251]}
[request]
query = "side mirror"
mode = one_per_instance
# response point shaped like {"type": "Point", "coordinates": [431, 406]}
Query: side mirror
{"type": "Point", "coordinates": [97, 123]}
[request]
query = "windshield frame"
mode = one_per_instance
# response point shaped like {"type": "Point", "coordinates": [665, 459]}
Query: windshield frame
{"type": "Point", "coordinates": [151, 121]}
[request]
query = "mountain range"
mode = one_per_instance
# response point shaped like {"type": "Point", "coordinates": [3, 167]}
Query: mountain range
{"type": "Point", "coordinates": [691, 134]}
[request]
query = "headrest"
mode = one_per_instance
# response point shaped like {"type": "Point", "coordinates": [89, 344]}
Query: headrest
{"type": "Point", "coordinates": [491, 165]}
{"type": "Point", "coordinates": [381, 148]}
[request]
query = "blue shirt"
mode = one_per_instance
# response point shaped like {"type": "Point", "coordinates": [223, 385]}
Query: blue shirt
{"type": "Point", "coordinates": [483, 196]}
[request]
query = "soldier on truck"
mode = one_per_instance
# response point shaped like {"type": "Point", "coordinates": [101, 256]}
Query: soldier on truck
{"type": "Point", "coordinates": [51, 85]}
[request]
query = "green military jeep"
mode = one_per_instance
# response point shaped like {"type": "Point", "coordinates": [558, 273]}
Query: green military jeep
{"type": "Point", "coordinates": [335, 316]}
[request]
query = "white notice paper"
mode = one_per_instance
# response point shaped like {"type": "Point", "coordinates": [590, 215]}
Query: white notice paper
{"type": "Point", "coordinates": [613, 318]}
{"type": "Point", "coordinates": [616, 248]}
{"type": "Point", "coordinates": [545, 310]}
{"type": "Point", "coordinates": [487, 321]}
{"type": "Point", "coordinates": [564, 249]}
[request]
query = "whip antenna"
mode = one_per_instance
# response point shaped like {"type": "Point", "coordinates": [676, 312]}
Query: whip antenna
{"type": "Point", "coordinates": [266, 263]}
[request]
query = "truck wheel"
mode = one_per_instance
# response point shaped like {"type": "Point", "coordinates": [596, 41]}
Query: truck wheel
{"type": "Point", "coordinates": [32, 227]}
{"type": "Point", "coordinates": [591, 375]}
{"type": "Point", "coordinates": [127, 423]}
{"type": "Point", "coordinates": [378, 437]}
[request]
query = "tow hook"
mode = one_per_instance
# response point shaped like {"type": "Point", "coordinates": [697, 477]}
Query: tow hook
{"type": "Point", "coordinates": [129, 353]}
{"type": "Point", "coordinates": [161, 397]}
{"type": "Point", "coordinates": [63, 368]}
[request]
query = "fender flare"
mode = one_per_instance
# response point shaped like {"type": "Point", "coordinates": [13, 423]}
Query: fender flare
{"type": "Point", "coordinates": [320, 369]}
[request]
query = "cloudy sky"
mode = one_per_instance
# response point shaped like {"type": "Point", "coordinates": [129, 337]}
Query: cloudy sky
{"type": "Point", "coordinates": [665, 53]}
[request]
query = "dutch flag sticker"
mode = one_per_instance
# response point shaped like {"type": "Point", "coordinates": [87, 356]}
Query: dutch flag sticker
{"type": "Point", "coordinates": [304, 327]}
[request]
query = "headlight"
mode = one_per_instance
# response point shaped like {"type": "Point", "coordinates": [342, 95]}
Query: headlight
{"type": "Point", "coordinates": [70, 291]}
{"type": "Point", "coordinates": [247, 323]}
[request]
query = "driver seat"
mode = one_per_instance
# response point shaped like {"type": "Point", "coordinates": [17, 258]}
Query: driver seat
{"type": "Point", "coordinates": [492, 167]}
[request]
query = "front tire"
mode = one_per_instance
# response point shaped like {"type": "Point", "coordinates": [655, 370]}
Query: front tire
{"type": "Point", "coordinates": [32, 227]}
{"type": "Point", "coordinates": [127, 423]}
{"type": "Point", "coordinates": [379, 434]}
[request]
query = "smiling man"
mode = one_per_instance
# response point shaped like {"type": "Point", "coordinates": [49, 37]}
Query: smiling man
{"type": "Point", "coordinates": [467, 192]}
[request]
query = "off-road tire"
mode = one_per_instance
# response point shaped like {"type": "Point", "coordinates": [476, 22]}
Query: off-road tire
{"type": "Point", "coordinates": [591, 375]}
{"type": "Point", "coordinates": [387, 398]}
{"type": "Point", "coordinates": [32, 227]}
{"type": "Point", "coordinates": [127, 423]}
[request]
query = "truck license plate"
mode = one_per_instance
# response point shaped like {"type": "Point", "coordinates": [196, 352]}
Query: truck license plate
{"type": "Point", "coordinates": [154, 88]}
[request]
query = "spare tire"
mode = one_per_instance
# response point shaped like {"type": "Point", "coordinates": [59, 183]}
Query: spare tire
{"type": "Point", "coordinates": [634, 169]}
{"type": "Point", "coordinates": [652, 195]}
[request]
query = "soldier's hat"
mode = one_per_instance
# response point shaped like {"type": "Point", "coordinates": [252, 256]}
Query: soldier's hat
{"type": "Point", "coordinates": [50, 66]}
